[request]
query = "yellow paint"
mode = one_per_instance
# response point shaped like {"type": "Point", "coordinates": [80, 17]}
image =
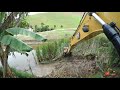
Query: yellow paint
{"type": "Point", "coordinates": [94, 27]}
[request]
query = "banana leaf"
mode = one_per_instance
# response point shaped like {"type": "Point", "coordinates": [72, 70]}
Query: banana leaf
{"type": "Point", "coordinates": [22, 31]}
{"type": "Point", "coordinates": [16, 44]}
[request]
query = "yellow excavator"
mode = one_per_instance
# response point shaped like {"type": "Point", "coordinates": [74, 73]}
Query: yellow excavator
{"type": "Point", "coordinates": [93, 24]}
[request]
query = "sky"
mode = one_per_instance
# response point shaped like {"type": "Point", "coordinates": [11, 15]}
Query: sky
{"type": "Point", "coordinates": [33, 13]}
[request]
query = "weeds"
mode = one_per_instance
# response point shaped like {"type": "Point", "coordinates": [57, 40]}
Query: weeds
{"type": "Point", "coordinates": [99, 48]}
{"type": "Point", "coordinates": [18, 73]}
{"type": "Point", "coordinates": [50, 50]}
{"type": "Point", "coordinates": [105, 54]}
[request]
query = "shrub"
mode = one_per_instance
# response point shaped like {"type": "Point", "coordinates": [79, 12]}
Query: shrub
{"type": "Point", "coordinates": [42, 28]}
{"type": "Point", "coordinates": [24, 24]}
{"type": "Point", "coordinates": [61, 26]}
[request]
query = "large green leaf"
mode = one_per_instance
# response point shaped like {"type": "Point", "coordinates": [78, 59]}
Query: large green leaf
{"type": "Point", "coordinates": [16, 44]}
{"type": "Point", "coordinates": [16, 31]}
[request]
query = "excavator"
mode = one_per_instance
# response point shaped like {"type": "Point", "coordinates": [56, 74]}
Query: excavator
{"type": "Point", "coordinates": [93, 24]}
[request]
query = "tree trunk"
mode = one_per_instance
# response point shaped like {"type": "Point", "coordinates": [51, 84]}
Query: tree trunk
{"type": "Point", "coordinates": [7, 72]}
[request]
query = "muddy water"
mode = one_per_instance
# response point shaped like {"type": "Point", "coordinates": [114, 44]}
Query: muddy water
{"type": "Point", "coordinates": [23, 62]}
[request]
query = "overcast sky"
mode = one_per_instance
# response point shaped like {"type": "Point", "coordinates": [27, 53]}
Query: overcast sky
{"type": "Point", "coordinates": [33, 13]}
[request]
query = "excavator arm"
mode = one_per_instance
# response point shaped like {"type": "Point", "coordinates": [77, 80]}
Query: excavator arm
{"type": "Point", "coordinates": [93, 24]}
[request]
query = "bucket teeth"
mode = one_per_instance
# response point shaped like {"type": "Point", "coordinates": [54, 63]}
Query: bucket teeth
{"type": "Point", "coordinates": [66, 53]}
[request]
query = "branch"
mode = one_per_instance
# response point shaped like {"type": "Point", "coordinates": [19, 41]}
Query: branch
{"type": "Point", "coordinates": [19, 19]}
{"type": "Point", "coordinates": [7, 22]}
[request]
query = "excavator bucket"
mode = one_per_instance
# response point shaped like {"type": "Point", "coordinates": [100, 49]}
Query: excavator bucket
{"type": "Point", "coordinates": [66, 53]}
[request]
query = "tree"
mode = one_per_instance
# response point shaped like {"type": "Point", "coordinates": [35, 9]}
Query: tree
{"type": "Point", "coordinates": [9, 22]}
{"type": "Point", "coordinates": [24, 23]}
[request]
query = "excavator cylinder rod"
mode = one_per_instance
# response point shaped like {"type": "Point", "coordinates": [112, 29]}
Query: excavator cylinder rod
{"type": "Point", "coordinates": [110, 32]}
{"type": "Point", "coordinates": [98, 19]}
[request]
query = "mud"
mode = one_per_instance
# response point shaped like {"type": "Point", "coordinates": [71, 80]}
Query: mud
{"type": "Point", "coordinates": [73, 67]}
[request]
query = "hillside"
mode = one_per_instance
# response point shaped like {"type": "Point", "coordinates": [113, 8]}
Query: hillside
{"type": "Point", "coordinates": [67, 19]}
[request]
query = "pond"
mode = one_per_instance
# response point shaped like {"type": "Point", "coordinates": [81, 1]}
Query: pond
{"type": "Point", "coordinates": [22, 62]}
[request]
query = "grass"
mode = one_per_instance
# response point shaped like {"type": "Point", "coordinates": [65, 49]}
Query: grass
{"type": "Point", "coordinates": [21, 74]}
{"type": "Point", "coordinates": [101, 47]}
{"type": "Point", "coordinates": [57, 34]}
{"type": "Point", "coordinates": [104, 53]}
{"type": "Point", "coordinates": [47, 52]}
{"type": "Point", "coordinates": [51, 35]}
{"type": "Point", "coordinates": [67, 19]}
{"type": "Point", "coordinates": [18, 73]}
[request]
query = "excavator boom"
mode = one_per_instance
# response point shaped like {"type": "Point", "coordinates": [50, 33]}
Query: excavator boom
{"type": "Point", "coordinates": [95, 23]}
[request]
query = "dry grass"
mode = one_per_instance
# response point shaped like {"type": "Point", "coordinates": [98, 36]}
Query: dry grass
{"type": "Point", "coordinates": [74, 67]}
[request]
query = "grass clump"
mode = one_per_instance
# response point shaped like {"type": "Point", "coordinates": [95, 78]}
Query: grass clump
{"type": "Point", "coordinates": [21, 74]}
{"type": "Point", "coordinates": [50, 50]}
{"type": "Point", "coordinates": [18, 73]}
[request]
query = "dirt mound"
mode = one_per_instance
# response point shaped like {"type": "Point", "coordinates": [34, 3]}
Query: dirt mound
{"type": "Point", "coordinates": [74, 67]}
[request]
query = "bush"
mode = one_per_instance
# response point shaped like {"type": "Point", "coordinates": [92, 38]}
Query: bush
{"type": "Point", "coordinates": [24, 24]}
{"type": "Point", "coordinates": [43, 28]}
{"type": "Point", "coordinates": [49, 51]}
{"type": "Point", "coordinates": [61, 26]}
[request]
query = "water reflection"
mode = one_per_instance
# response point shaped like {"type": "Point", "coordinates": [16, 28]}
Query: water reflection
{"type": "Point", "coordinates": [22, 62]}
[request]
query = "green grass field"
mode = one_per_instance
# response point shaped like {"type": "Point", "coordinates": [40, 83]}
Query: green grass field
{"type": "Point", "coordinates": [51, 35]}
{"type": "Point", "coordinates": [67, 19]}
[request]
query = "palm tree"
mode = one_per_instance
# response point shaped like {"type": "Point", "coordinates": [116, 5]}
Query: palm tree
{"type": "Point", "coordinates": [8, 43]}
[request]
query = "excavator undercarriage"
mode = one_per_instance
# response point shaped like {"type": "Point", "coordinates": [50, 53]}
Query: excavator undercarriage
{"type": "Point", "coordinates": [93, 24]}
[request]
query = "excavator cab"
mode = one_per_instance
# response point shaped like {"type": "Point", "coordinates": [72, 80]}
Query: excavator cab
{"type": "Point", "coordinates": [93, 24]}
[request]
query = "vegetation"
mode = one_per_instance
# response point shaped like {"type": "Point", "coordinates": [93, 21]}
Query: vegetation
{"type": "Point", "coordinates": [24, 23]}
{"type": "Point", "coordinates": [98, 49]}
{"type": "Point", "coordinates": [97, 46]}
{"type": "Point", "coordinates": [49, 51]}
{"type": "Point", "coordinates": [9, 23]}
{"type": "Point", "coordinates": [43, 28]}
{"type": "Point", "coordinates": [18, 73]}
{"type": "Point", "coordinates": [102, 50]}
{"type": "Point", "coordinates": [60, 19]}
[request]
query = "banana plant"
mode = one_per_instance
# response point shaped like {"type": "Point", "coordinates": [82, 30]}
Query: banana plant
{"type": "Point", "coordinates": [8, 41]}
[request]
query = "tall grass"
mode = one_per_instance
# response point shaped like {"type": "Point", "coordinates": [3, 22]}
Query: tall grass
{"type": "Point", "coordinates": [102, 48]}
{"type": "Point", "coordinates": [50, 50]}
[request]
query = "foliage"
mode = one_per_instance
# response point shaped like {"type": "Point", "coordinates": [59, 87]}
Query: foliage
{"type": "Point", "coordinates": [43, 28]}
{"type": "Point", "coordinates": [50, 50]}
{"type": "Point", "coordinates": [16, 31]}
{"type": "Point", "coordinates": [24, 23]}
{"type": "Point", "coordinates": [15, 44]}
{"type": "Point", "coordinates": [18, 73]}
{"type": "Point", "coordinates": [8, 20]}
{"type": "Point", "coordinates": [21, 74]}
